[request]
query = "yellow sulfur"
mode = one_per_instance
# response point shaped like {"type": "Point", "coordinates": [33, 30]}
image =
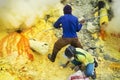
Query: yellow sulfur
{"type": "Point", "coordinates": [103, 16]}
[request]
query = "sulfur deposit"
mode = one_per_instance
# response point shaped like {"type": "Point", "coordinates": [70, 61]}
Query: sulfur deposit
{"type": "Point", "coordinates": [27, 36]}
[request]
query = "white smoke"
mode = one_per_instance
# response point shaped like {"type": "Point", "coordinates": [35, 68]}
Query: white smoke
{"type": "Point", "coordinates": [114, 28]}
{"type": "Point", "coordinates": [114, 24]}
{"type": "Point", "coordinates": [14, 13]}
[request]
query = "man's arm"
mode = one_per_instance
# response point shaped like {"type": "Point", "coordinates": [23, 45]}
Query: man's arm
{"type": "Point", "coordinates": [58, 24]}
{"type": "Point", "coordinates": [80, 23]}
{"type": "Point", "coordinates": [65, 65]}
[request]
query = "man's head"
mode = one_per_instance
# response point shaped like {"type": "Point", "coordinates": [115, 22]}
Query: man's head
{"type": "Point", "coordinates": [70, 51]}
{"type": "Point", "coordinates": [67, 9]}
{"type": "Point", "coordinates": [101, 4]}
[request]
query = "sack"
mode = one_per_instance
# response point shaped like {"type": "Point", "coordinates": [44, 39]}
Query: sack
{"type": "Point", "coordinates": [79, 75]}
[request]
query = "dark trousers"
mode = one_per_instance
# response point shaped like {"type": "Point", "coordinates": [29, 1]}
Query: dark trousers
{"type": "Point", "coordinates": [60, 43]}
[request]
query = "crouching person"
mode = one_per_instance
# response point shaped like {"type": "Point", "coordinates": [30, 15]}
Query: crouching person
{"type": "Point", "coordinates": [81, 58]}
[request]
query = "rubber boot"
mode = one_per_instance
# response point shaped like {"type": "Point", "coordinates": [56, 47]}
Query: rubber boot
{"type": "Point", "coordinates": [94, 75]}
{"type": "Point", "coordinates": [52, 57]}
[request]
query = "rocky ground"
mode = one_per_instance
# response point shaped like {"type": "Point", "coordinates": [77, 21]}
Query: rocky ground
{"type": "Point", "coordinates": [109, 65]}
{"type": "Point", "coordinates": [18, 62]}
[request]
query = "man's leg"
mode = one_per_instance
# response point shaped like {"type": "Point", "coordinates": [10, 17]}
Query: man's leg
{"type": "Point", "coordinates": [57, 47]}
{"type": "Point", "coordinates": [76, 43]}
{"type": "Point", "coordinates": [89, 69]}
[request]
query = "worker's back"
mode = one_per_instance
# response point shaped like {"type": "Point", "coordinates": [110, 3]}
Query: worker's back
{"type": "Point", "coordinates": [84, 56]}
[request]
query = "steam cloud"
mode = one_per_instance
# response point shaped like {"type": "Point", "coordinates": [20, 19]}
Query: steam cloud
{"type": "Point", "coordinates": [114, 25]}
{"type": "Point", "coordinates": [13, 13]}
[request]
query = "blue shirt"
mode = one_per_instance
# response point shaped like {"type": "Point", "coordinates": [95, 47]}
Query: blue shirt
{"type": "Point", "coordinates": [70, 25]}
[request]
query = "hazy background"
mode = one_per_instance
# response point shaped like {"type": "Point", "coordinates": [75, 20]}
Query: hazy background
{"type": "Point", "coordinates": [114, 25]}
{"type": "Point", "coordinates": [14, 13]}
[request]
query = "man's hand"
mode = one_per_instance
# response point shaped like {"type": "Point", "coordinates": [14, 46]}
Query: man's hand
{"type": "Point", "coordinates": [82, 21]}
{"type": "Point", "coordinates": [82, 67]}
{"type": "Point", "coordinates": [63, 65]}
{"type": "Point", "coordinates": [76, 68]}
